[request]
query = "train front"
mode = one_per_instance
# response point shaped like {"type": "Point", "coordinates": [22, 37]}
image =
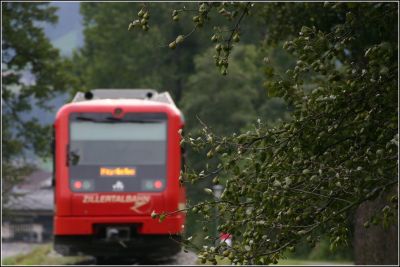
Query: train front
{"type": "Point", "coordinates": [117, 161]}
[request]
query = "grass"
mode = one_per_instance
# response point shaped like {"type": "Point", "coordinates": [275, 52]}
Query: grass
{"type": "Point", "coordinates": [41, 256]}
{"type": "Point", "coordinates": [225, 261]}
{"type": "Point", "coordinates": [308, 262]}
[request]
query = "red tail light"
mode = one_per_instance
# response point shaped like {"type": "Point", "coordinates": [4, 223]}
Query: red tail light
{"type": "Point", "coordinates": [78, 184]}
{"type": "Point", "coordinates": [158, 184]}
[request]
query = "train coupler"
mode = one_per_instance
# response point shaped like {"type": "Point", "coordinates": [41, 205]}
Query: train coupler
{"type": "Point", "coordinates": [115, 233]}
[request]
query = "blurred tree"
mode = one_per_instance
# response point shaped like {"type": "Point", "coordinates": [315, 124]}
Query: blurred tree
{"type": "Point", "coordinates": [374, 244]}
{"type": "Point", "coordinates": [226, 104]}
{"type": "Point", "coordinates": [307, 176]}
{"type": "Point", "coordinates": [32, 72]}
{"type": "Point", "coordinates": [112, 57]}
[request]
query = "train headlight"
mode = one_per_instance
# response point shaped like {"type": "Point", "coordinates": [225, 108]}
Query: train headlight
{"type": "Point", "coordinates": [148, 185]}
{"type": "Point", "coordinates": [82, 185]}
{"type": "Point", "coordinates": [87, 185]}
{"type": "Point", "coordinates": [152, 185]}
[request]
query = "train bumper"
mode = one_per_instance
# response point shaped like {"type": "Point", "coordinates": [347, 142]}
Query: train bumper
{"type": "Point", "coordinates": [142, 246]}
{"type": "Point", "coordinates": [143, 225]}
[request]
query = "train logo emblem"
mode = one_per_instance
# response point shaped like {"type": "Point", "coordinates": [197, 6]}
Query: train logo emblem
{"type": "Point", "coordinates": [139, 202]}
{"type": "Point", "coordinates": [118, 186]}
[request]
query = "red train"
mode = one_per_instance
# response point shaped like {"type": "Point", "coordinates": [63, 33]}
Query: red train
{"type": "Point", "coordinates": [117, 158]}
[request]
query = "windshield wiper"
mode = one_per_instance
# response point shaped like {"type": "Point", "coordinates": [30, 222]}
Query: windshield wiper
{"type": "Point", "coordinates": [113, 119]}
{"type": "Point", "coordinates": [85, 119]}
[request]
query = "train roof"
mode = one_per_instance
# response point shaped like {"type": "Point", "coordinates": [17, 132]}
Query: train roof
{"type": "Point", "coordinates": [124, 94]}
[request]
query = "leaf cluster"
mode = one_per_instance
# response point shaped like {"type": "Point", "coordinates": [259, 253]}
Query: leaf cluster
{"type": "Point", "coordinates": [293, 181]}
{"type": "Point", "coordinates": [32, 73]}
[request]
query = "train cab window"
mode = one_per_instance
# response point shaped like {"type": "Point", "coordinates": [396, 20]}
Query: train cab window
{"type": "Point", "coordinates": [126, 154]}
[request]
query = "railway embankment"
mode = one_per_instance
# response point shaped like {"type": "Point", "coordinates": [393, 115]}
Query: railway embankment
{"type": "Point", "coordinates": [34, 254]}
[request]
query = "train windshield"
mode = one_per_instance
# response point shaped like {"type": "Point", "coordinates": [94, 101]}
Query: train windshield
{"type": "Point", "coordinates": [108, 154]}
{"type": "Point", "coordinates": [116, 144]}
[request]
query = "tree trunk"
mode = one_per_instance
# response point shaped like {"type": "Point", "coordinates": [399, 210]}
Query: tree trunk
{"type": "Point", "coordinates": [375, 245]}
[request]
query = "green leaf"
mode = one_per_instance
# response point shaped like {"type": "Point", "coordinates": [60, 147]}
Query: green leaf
{"type": "Point", "coordinates": [154, 214]}
{"type": "Point", "coordinates": [179, 39]}
{"type": "Point", "coordinates": [208, 191]}
{"type": "Point", "coordinates": [162, 217]}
